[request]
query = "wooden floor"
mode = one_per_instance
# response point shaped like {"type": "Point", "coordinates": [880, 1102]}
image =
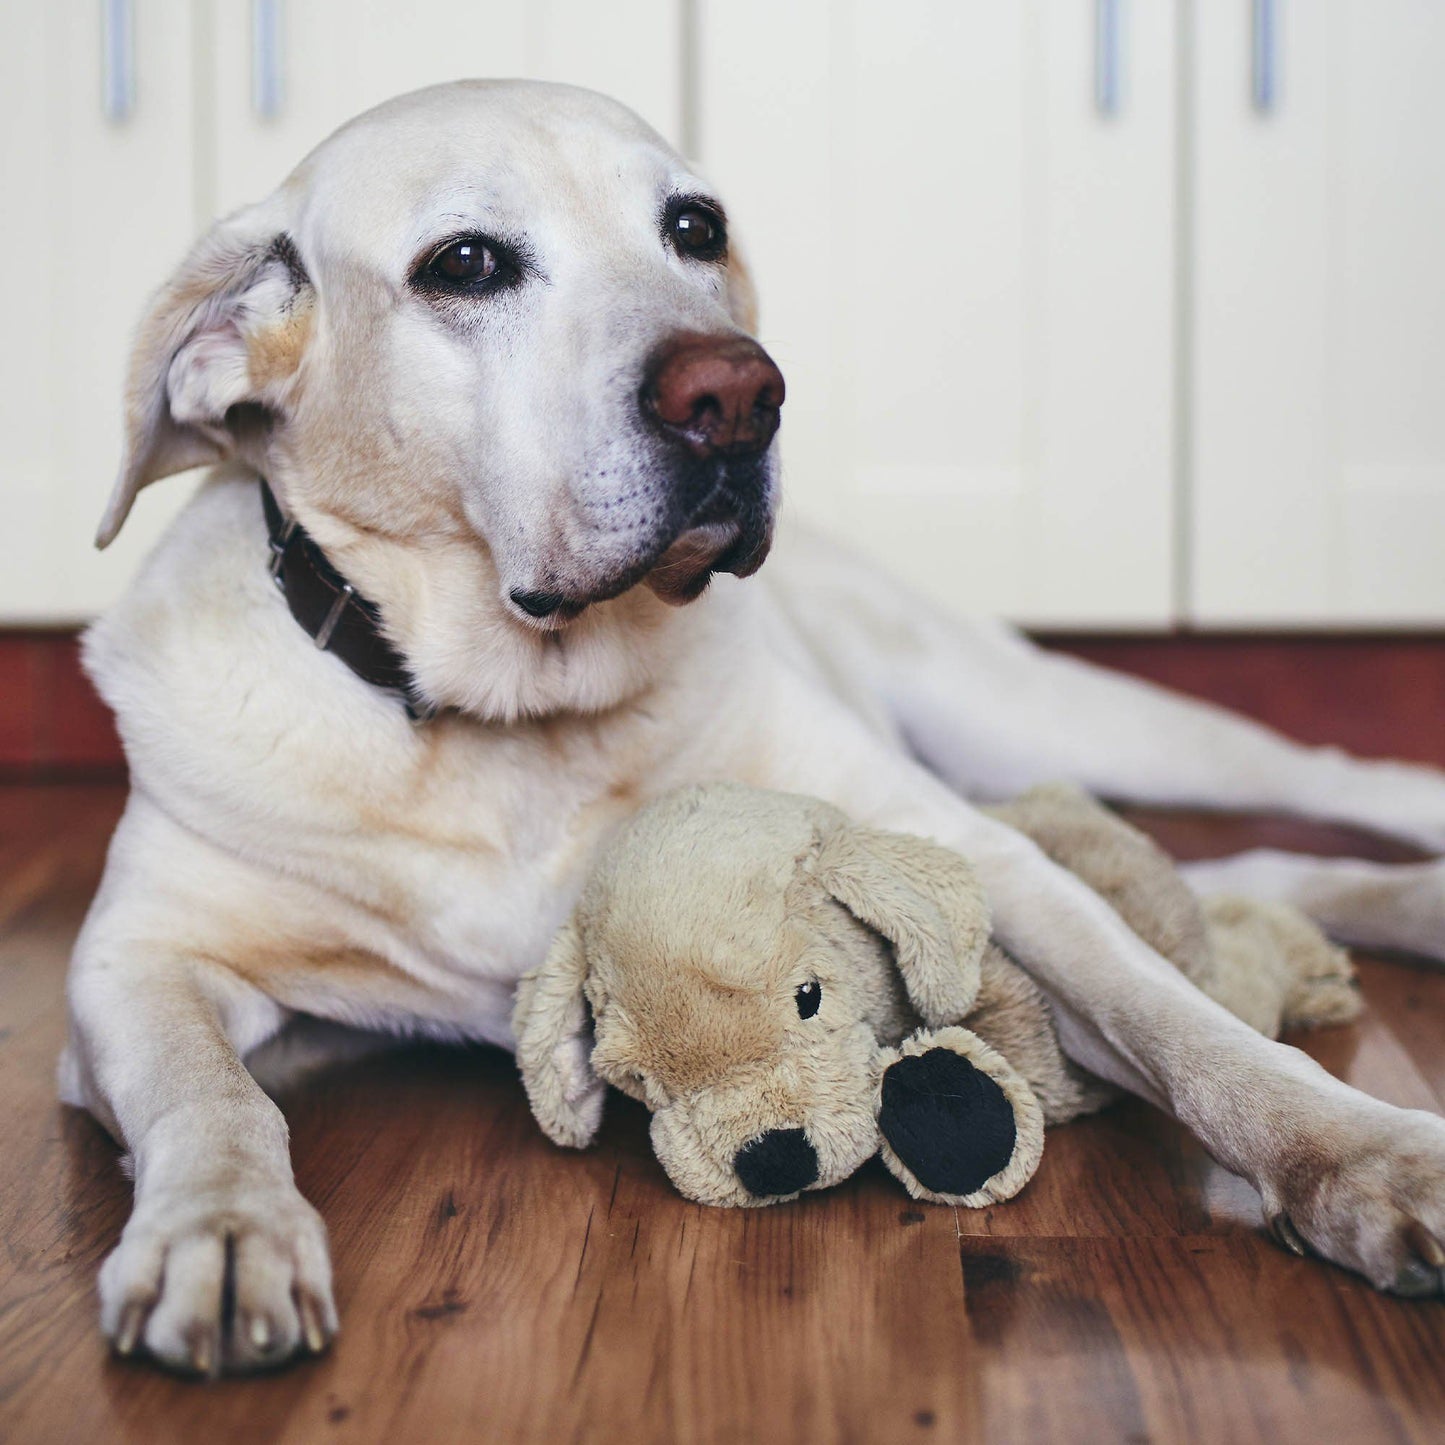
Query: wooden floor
{"type": "Point", "coordinates": [492, 1287]}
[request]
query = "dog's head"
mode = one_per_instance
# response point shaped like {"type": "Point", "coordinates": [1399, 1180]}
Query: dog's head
{"type": "Point", "coordinates": [740, 954]}
{"type": "Point", "coordinates": [497, 315]}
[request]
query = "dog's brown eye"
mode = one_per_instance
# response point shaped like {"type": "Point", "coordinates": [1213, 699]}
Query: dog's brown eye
{"type": "Point", "coordinates": [467, 260]}
{"type": "Point", "coordinates": [698, 232]}
{"type": "Point", "coordinates": [809, 998]}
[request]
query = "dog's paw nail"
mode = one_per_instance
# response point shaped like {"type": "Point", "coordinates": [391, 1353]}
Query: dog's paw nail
{"type": "Point", "coordinates": [205, 1357]}
{"type": "Point", "coordinates": [1282, 1227]}
{"type": "Point", "coordinates": [1424, 1244]}
{"type": "Point", "coordinates": [132, 1322]}
{"type": "Point", "coordinates": [260, 1334]}
{"type": "Point", "coordinates": [311, 1328]}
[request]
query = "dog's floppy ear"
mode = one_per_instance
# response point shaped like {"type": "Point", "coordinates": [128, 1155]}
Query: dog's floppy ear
{"type": "Point", "coordinates": [925, 900]}
{"type": "Point", "coordinates": [215, 359]}
{"type": "Point", "coordinates": [554, 1043]}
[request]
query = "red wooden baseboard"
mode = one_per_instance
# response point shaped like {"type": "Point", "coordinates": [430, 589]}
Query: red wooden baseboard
{"type": "Point", "coordinates": [1380, 695]}
{"type": "Point", "coordinates": [52, 724]}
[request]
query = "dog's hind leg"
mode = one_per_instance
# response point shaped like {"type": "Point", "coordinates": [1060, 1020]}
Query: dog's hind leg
{"type": "Point", "coordinates": [994, 714]}
{"type": "Point", "coordinates": [1027, 715]}
{"type": "Point", "coordinates": [1396, 906]}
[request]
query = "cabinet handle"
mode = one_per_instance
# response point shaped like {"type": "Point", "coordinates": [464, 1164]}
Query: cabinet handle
{"type": "Point", "coordinates": [117, 49]}
{"type": "Point", "coordinates": [267, 89]}
{"type": "Point", "coordinates": [1108, 22]}
{"type": "Point", "coordinates": [1264, 56]}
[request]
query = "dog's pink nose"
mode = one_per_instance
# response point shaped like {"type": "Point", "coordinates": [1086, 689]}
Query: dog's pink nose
{"type": "Point", "coordinates": [719, 394]}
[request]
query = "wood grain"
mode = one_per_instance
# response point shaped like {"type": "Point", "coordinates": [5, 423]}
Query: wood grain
{"type": "Point", "coordinates": [494, 1287]}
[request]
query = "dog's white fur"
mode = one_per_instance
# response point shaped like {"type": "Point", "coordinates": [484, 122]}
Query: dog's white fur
{"type": "Point", "coordinates": [293, 843]}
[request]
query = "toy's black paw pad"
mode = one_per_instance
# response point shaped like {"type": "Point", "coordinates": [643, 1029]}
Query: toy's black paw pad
{"type": "Point", "coordinates": [949, 1123]}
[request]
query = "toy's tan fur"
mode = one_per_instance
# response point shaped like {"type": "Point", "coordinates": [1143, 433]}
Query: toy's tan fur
{"type": "Point", "coordinates": [1265, 962]}
{"type": "Point", "coordinates": [711, 907]}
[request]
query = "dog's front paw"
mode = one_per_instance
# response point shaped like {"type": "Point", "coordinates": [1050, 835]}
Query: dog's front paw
{"type": "Point", "coordinates": [1374, 1203]}
{"type": "Point", "coordinates": [221, 1281]}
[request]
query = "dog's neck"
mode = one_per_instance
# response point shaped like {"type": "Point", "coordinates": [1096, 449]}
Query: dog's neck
{"type": "Point", "coordinates": [440, 605]}
{"type": "Point", "coordinates": [333, 614]}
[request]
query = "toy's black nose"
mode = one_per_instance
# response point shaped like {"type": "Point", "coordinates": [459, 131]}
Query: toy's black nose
{"type": "Point", "coordinates": [782, 1161]}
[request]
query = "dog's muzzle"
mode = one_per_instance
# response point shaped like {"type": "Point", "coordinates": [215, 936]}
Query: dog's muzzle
{"type": "Point", "coordinates": [732, 534]}
{"type": "Point", "coordinates": [716, 403]}
{"type": "Point", "coordinates": [713, 405]}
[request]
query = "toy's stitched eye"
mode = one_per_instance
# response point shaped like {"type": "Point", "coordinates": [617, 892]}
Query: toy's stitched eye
{"type": "Point", "coordinates": [809, 998]}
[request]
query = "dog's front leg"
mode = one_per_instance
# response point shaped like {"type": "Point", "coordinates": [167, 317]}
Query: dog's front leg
{"type": "Point", "coordinates": [1360, 1181]}
{"type": "Point", "coordinates": [222, 1265]}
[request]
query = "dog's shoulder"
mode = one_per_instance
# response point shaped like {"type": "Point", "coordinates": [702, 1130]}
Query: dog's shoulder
{"type": "Point", "coordinates": [211, 681]}
{"type": "Point", "coordinates": [206, 572]}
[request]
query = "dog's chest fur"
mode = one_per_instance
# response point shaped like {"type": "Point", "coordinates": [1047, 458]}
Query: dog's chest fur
{"type": "Point", "coordinates": [348, 862]}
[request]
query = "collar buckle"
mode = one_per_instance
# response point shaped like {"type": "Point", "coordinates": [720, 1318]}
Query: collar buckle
{"type": "Point", "coordinates": [333, 616]}
{"type": "Point", "coordinates": [278, 542]}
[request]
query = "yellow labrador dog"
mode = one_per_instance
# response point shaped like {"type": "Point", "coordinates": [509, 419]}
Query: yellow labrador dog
{"type": "Point", "coordinates": [488, 348]}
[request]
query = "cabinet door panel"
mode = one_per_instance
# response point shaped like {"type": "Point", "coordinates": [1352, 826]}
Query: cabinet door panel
{"type": "Point", "coordinates": [27, 372]}
{"type": "Point", "coordinates": [99, 211]}
{"type": "Point", "coordinates": [1319, 304]}
{"type": "Point", "coordinates": [966, 273]}
{"type": "Point", "coordinates": [339, 57]}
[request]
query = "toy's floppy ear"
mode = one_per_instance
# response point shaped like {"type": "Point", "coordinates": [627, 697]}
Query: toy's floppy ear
{"type": "Point", "coordinates": [554, 1044]}
{"type": "Point", "coordinates": [925, 900]}
{"type": "Point", "coordinates": [216, 356]}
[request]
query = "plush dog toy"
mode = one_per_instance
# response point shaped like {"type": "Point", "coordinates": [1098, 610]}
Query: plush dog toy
{"type": "Point", "coordinates": [790, 993]}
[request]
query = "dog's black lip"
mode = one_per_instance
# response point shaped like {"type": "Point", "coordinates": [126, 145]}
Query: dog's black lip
{"type": "Point", "coordinates": [746, 554]}
{"type": "Point", "coordinates": [561, 611]}
{"type": "Point", "coordinates": [721, 503]}
{"type": "Point", "coordinates": [538, 604]}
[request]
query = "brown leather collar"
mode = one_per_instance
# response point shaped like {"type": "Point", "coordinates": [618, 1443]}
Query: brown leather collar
{"type": "Point", "coordinates": [334, 614]}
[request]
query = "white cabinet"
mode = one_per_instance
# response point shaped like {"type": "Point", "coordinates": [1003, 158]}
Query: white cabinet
{"type": "Point", "coordinates": [1317, 385]}
{"type": "Point", "coordinates": [1178, 358]}
{"type": "Point", "coordinates": [97, 209]}
{"type": "Point", "coordinates": [331, 59]}
{"type": "Point", "coordinates": [966, 268]}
